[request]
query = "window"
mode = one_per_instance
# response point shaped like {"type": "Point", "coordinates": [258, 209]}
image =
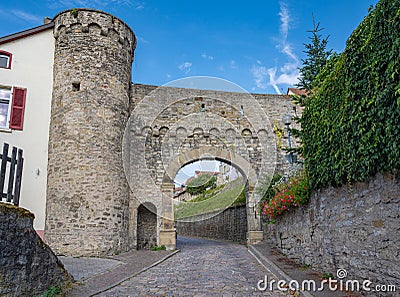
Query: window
{"type": "Point", "coordinates": [5, 59]}
{"type": "Point", "coordinates": [5, 104]}
{"type": "Point", "coordinates": [12, 106]}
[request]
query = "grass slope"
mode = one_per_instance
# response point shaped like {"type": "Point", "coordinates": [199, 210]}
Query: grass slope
{"type": "Point", "coordinates": [231, 195]}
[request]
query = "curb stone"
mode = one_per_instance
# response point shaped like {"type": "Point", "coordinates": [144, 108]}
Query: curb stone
{"type": "Point", "coordinates": [271, 267]}
{"type": "Point", "coordinates": [90, 291]}
{"type": "Point", "coordinates": [135, 274]}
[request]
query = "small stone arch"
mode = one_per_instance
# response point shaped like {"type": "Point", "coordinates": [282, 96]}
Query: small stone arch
{"type": "Point", "coordinates": [214, 132]}
{"type": "Point", "coordinates": [247, 133]}
{"type": "Point", "coordinates": [181, 132]}
{"type": "Point", "coordinates": [230, 134]}
{"type": "Point", "coordinates": [146, 130]}
{"type": "Point", "coordinates": [146, 226]}
{"type": "Point", "coordinates": [163, 130]}
{"type": "Point", "coordinates": [94, 28]}
{"type": "Point", "coordinates": [198, 131]}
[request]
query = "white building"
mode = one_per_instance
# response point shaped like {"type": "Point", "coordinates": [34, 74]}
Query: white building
{"type": "Point", "coordinates": [26, 84]}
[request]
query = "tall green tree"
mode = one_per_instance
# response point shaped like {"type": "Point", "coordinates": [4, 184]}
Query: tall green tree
{"type": "Point", "coordinates": [316, 59]}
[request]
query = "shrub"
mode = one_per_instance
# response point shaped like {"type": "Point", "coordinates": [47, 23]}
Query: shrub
{"type": "Point", "coordinates": [288, 195]}
{"type": "Point", "coordinates": [158, 248]}
{"type": "Point", "coordinates": [200, 184]}
{"type": "Point", "coordinates": [52, 291]}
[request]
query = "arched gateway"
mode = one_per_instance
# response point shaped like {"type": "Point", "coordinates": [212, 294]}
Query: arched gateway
{"type": "Point", "coordinates": [171, 127]}
{"type": "Point", "coordinates": [114, 145]}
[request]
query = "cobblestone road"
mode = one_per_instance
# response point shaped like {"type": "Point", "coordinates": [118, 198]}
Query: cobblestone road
{"type": "Point", "coordinates": [202, 268]}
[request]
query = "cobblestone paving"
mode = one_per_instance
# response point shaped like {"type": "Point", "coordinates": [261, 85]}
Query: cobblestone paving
{"type": "Point", "coordinates": [202, 268]}
{"type": "Point", "coordinates": [83, 268]}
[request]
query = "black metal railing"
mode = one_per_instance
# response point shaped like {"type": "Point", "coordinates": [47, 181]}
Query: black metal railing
{"type": "Point", "coordinates": [11, 174]}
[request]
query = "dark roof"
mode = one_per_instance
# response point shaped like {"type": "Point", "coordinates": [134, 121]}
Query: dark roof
{"type": "Point", "coordinates": [26, 33]}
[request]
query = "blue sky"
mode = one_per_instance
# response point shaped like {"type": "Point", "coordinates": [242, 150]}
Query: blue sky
{"type": "Point", "coordinates": [255, 44]}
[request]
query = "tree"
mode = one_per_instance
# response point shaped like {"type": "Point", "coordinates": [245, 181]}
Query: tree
{"type": "Point", "coordinates": [200, 184]}
{"type": "Point", "coordinates": [317, 57]}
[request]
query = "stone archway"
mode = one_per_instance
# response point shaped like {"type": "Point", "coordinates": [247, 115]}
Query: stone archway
{"type": "Point", "coordinates": [170, 127]}
{"type": "Point", "coordinates": [254, 233]}
{"type": "Point", "coordinates": [146, 226]}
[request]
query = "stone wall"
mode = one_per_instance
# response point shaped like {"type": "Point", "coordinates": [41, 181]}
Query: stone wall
{"type": "Point", "coordinates": [230, 224]}
{"type": "Point", "coordinates": [356, 228]}
{"type": "Point", "coordinates": [27, 266]}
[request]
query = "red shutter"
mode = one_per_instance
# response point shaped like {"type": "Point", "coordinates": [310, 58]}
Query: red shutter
{"type": "Point", "coordinates": [17, 109]}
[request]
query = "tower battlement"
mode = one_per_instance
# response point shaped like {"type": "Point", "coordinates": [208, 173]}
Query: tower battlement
{"type": "Point", "coordinates": [85, 20]}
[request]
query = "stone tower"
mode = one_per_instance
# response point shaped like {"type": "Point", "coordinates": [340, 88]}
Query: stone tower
{"type": "Point", "coordinates": [87, 194]}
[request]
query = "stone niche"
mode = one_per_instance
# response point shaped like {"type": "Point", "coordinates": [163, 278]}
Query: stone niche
{"type": "Point", "coordinates": [146, 226]}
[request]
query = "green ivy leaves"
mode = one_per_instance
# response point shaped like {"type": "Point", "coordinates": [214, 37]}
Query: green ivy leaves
{"type": "Point", "coordinates": [351, 121]}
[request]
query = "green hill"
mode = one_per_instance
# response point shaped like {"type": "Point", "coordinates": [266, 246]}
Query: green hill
{"type": "Point", "coordinates": [232, 194]}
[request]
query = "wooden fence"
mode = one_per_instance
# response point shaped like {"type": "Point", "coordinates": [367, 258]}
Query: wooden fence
{"type": "Point", "coordinates": [11, 174]}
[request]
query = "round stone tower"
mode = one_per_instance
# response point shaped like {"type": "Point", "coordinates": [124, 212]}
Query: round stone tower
{"type": "Point", "coordinates": [87, 194]}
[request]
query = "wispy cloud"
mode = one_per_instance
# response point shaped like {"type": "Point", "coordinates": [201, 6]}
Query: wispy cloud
{"type": "Point", "coordinates": [139, 5]}
{"type": "Point", "coordinates": [185, 67]}
{"type": "Point", "coordinates": [207, 57]}
{"type": "Point", "coordinates": [25, 16]}
{"type": "Point", "coordinates": [285, 20]}
{"type": "Point", "coordinates": [233, 64]}
{"type": "Point", "coordinates": [260, 74]}
{"type": "Point", "coordinates": [142, 40]}
{"type": "Point", "coordinates": [286, 74]}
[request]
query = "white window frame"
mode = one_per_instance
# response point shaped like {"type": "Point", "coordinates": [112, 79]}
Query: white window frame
{"type": "Point", "coordinates": [9, 101]}
{"type": "Point", "coordinates": [3, 55]}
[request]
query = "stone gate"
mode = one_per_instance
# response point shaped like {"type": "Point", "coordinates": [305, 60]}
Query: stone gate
{"type": "Point", "coordinates": [115, 146]}
{"type": "Point", "coordinates": [171, 127]}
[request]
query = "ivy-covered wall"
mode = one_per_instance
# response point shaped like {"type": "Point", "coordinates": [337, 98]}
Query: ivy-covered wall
{"type": "Point", "coordinates": [351, 121]}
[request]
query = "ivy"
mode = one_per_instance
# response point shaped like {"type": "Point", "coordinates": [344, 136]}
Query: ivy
{"type": "Point", "coordinates": [351, 120]}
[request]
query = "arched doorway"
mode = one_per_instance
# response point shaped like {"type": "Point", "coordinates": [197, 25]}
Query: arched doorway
{"type": "Point", "coordinates": [210, 201]}
{"type": "Point", "coordinates": [254, 233]}
{"type": "Point", "coordinates": [146, 226]}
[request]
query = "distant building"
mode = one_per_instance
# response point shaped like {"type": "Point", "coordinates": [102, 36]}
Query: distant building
{"type": "Point", "coordinates": [227, 173]}
{"type": "Point", "coordinates": [198, 173]}
{"type": "Point", "coordinates": [295, 91]}
{"type": "Point", "coordinates": [179, 190]}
